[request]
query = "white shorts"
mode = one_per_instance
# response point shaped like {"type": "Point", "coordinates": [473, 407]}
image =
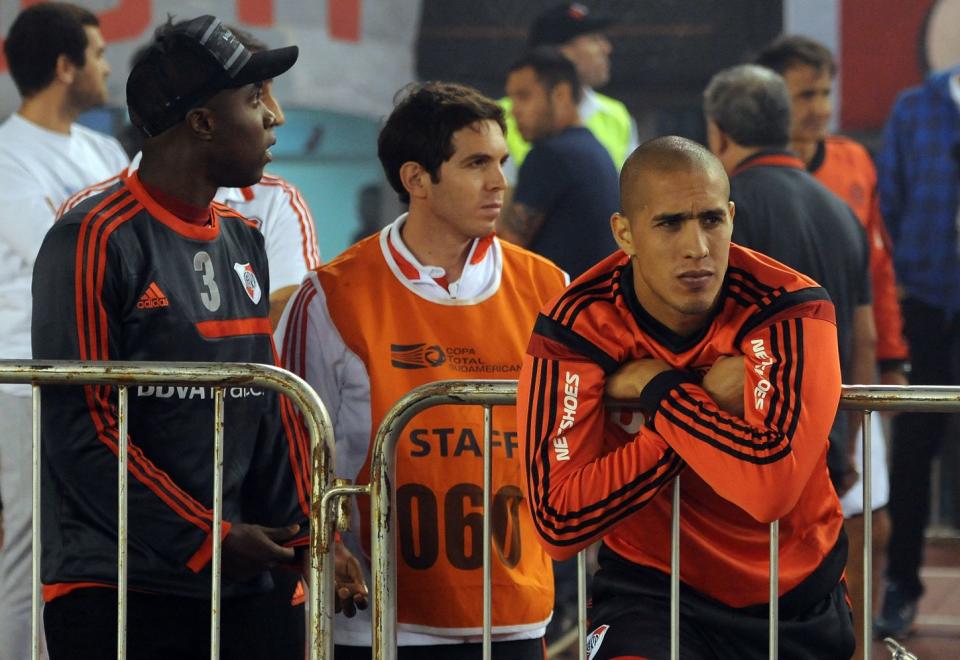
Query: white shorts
{"type": "Point", "coordinates": [852, 501]}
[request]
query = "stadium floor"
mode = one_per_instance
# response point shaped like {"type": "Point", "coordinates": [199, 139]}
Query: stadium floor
{"type": "Point", "coordinates": [936, 632]}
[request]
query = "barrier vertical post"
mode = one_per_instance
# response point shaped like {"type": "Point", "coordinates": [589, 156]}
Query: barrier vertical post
{"type": "Point", "coordinates": [582, 604]}
{"type": "Point", "coordinates": [35, 588]}
{"type": "Point", "coordinates": [122, 521]}
{"type": "Point", "coordinates": [216, 557]}
{"type": "Point", "coordinates": [487, 487]}
{"type": "Point", "coordinates": [675, 572]}
{"type": "Point", "coordinates": [774, 590]}
{"type": "Point", "coordinates": [866, 434]}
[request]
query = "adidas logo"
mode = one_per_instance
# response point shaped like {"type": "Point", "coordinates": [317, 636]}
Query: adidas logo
{"type": "Point", "coordinates": [153, 298]}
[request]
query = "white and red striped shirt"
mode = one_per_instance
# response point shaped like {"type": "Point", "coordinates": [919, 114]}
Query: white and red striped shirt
{"type": "Point", "coordinates": [284, 219]}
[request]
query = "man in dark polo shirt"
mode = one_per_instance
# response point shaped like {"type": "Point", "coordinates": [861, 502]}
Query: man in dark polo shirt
{"type": "Point", "coordinates": [567, 187]}
{"type": "Point", "coordinates": [785, 213]}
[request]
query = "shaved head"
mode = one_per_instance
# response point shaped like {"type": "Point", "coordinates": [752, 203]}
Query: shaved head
{"type": "Point", "coordinates": [663, 155]}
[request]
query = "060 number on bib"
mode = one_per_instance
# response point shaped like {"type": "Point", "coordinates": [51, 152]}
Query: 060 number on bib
{"type": "Point", "coordinates": [462, 529]}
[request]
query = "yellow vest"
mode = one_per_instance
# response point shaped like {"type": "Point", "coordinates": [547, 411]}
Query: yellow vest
{"type": "Point", "coordinates": [610, 124]}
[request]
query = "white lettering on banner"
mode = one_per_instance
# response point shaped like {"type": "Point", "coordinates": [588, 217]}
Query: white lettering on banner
{"type": "Point", "coordinates": [570, 401]}
{"type": "Point", "coordinates": [187, 393]}
{"type": "Point", "coordinates": [371, 41]}
{"type": "Point", "coordinates": [763, 386]}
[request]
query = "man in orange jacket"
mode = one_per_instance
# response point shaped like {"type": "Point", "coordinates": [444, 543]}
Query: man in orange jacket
{"type": "Point", "coordinates": [846, 168]}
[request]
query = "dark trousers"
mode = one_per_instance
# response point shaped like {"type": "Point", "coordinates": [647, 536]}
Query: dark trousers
{"type": "Point", "coordinates": [526, 649]}
{"type": "Point", "coordinates": [635, 623]}
{"type": "Point", "coordinates": [917, 438]}
{"type": "Point", "coordinates": [82, 626]}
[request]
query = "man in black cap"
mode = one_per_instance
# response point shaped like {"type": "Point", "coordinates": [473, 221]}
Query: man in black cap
{"type": "Point", "coordinates": [151, 269]}
{"type": "Point", "coordinates": [577, 33]}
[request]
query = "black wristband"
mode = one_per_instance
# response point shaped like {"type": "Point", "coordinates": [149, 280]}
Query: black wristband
{"type": "Point", "coordinates": [657, 389]}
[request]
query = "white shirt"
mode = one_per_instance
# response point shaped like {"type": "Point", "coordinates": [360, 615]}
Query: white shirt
{"type": "Point", "coordinates": [39, 170]}
{"type": "Point", "coordinates": [284, 219]}
{"type": "Point", "coordinates": [479, 279]}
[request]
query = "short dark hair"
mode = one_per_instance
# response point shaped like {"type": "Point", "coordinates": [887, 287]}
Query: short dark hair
{"type": "Point", "coordinates": [39, 35]}
{"type": "Point", "coordinates": [749, 103]}
{"type": "Point", "coordinates": [792, 50]}
{"type": "Point", "coordinates": [421, 127]}
{"type": "Point", "coordinates": [552, 68]}
{"type": "Point", "coordinates": [668, 154]}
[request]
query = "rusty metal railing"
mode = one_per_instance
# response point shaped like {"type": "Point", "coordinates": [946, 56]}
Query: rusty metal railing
{"type": "Point", "coordinates": [886, 398]}
{"type": "Point", "coordinates": [218, 376]}
{"type": "Point", "coordinates": [489, 393]}
{"type": "Point", "coordinates": [486, 393]}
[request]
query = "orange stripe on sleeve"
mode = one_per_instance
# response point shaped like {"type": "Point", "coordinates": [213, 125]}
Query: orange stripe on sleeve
{"type": "Point", "coordinates": [204, 553]}
{"type": "Point", "coordinates": [234, 327]}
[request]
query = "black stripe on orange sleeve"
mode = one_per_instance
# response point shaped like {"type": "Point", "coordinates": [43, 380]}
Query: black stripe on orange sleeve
{"type": "Point", "coordinates": [798, 375]}
{"type": "Point", "coordinates": [600, 294]}
{"type": "Point", "coordinates": [547, 418]}
{"type": "Point", "coordinates": [729, 443]}
{"type": "Point", "coordinates": [574, 526]}
{"type": "Point", "coordinates": [293, 358]}
{"type": "Point", "coordinates": [534, 420]}
{"type": "Point", "coordinates": [783, 355]}
{"type": "Point", "coordinates": [777, 377]}
{"type": "Point", "coordinates": [656, 478]}
{"type": "Point", "coordinates": [569, 297]}
{"type": "Point", "coordinates": [727, 433]}
{"type": "Point", "coordinates": [780, 304]}
{"type": "Point", "coordinates": [749, 281]}
{"type": "Point", "coordinates": [551, 329]}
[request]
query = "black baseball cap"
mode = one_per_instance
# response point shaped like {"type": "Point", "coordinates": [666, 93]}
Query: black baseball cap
{"type": "Point", "coordinates": [187, 64]}
{"type": "Point", "coordinates": [561, 23]}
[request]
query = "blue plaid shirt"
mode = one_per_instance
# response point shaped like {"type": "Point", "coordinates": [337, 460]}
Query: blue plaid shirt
{"type": "Point", "coordinates": [919, 181]}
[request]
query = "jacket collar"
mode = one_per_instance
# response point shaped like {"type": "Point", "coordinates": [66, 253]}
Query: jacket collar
{"type": "Point", "coordinates": [769, 158]}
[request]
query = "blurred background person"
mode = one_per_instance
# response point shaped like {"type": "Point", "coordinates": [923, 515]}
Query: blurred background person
{"type": "Point", "coordinates": [786, 214]}
{"type": "Point", "coordinates": [580, 36]}
{"type": "Point", "coordinates": [55, 52]}
{"type": "Point", "coordinates": [567, 187]}
{"type": "Point", "coordinates": [846, 168]}
{"type": "Point", "coordinates": [919, 167]}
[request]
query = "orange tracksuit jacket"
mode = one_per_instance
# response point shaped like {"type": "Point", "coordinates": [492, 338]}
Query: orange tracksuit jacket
{"type": "Point", "coordinates": [595, 472]}
{"type": "Point", "coordinates": [845, 167]}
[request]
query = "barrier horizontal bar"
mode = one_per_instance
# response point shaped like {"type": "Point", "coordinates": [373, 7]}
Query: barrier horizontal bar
{"type": "Point", "coordinates": [912, 398]}
{"type": "Point", "coordinates": [215, 374]}
{"type": "Point", "coordinates": [503, 392]}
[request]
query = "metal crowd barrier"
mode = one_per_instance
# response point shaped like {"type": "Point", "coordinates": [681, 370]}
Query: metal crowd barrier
{"type": "Point", "coordinates": [489, 393]}
{"type": "Point", "coordinates": [218, 376]}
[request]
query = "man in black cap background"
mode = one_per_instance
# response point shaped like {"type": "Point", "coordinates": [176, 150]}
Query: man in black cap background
{"type": "Point", "coordinates": [580, 35]}
{"type": "Point", "coordinates": [567, 188]}
{"type": "Point", "coordinates": [151, 269]}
